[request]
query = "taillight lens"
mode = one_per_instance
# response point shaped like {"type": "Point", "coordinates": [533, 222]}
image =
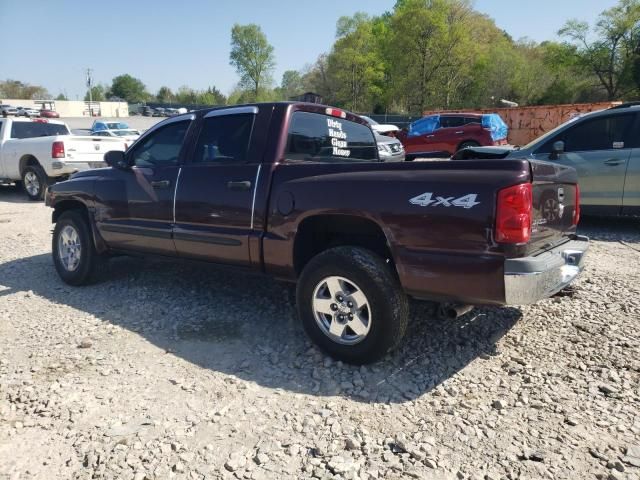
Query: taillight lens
{"type": "Point", "coordinates": [576, 208]}
{"type": "Point", "coordinates": [57, 150]}
{"type": "Point", "coordinates": [514, 214]}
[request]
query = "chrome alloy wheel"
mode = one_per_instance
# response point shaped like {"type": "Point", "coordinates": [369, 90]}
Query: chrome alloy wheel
{"type": "Point", "coordinates": [341, 310]}
{"type": "Point", "coordinates": [31, 183]}
{"type": "Point", "coordinates": [69, 248]}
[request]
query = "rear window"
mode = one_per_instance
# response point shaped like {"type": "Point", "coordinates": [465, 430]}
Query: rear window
{"type": "Point", "coordinates": [320, 138]}
{"type": "Point", "coordinates": [37, 129]}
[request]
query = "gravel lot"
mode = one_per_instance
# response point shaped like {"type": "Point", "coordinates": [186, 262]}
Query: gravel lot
{"type": "Point", "coordinates": [179, 371]}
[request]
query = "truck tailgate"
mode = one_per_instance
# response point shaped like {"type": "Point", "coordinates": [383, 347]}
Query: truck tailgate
{"type": "Point", "coordinates": [90, 149]}
{"type": "Point", "coordinates": [555, 197]}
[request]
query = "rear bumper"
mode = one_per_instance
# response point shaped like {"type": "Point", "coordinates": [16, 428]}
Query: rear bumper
{"type": "Point", "coordinates": [529, 279]}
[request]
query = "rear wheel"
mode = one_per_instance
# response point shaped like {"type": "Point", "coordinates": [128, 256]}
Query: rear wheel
{"type": "Point", "coordinates": [34, 182]}
{"type": "Point", "coordinates": [352, 305]}
{"type": "Point", "coordinates": [74, 253]}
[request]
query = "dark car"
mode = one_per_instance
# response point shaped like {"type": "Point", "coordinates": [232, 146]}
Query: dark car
{"type": "Point", "coordinates": [146, 111]}
{"type": "Point", "coordinates": [603, 147]}
{"type": "Point", "coordinates": [443, 134]}
{"type": "Point", "coordinates": [297, 191]}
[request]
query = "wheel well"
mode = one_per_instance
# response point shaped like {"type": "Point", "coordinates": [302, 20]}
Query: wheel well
{"type": "Point", "coordinates": [67, 205]}
{"type": "Point", "coordinates": [319, 233]}
{"type": "Point", "coordinates": [27, 161]}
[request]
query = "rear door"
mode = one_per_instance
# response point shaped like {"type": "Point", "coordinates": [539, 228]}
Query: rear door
{"type": "Point", "coordinates": [599, 149]}
{"type": "Point", "coordinates": [214, 214]}
{"type": "Point", "coordinates": [137, 204]}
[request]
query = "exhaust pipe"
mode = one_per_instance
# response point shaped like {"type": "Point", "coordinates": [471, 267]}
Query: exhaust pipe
{"type": "Point", "coordinates": [449, 311]}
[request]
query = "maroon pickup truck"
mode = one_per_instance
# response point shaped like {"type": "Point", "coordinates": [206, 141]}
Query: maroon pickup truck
{"type": "Point", "coordinates": [296, 191]}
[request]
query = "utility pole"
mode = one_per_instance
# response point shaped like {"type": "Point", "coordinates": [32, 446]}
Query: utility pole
{"type": "Point", "coordinates": [89, 81]}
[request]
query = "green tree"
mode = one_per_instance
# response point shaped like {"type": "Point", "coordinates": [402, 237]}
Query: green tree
{"type": "Point", "coordinates": [20, 90]}
{"type": "Point", "coordinates": [611, 50]}
{"type": "Point", "coordinates": [61, 96]}
{"type": "Point", "coordinates": [252, 56]}
{"type": "Point", "coordinates": [98, 94]}
{"type": "Point", "coordinates": [128, 88]}
{"type": "Point", "coordinates": [165, 95]}
{"type": "Point", "coordinates": [291, 85]}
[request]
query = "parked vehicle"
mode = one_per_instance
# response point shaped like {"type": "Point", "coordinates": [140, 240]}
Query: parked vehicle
{"type": "Point", "coordinates": [443, 135]}
{"type": "Point", "coordinates": [40, 152]}
{"type": "Point", "coordinates": [128, 135]}
{"type": "Point", "coordinates": [389, 149]}
{"type": "Point", "coordinates": [170, 112]}
{"type": "Point", "coordinates": [46, 113]}
{"type": "Point", "coordinates": [146, 111]}
{"type": "Point", "coordinates": [604, 149]}
{"type": "Point", "coordinates": [8, 110]}
{"type": "Point", "coordinates": [100, 125]}
{"type": "Point", "coordinates": [382, 129]}
{"type": "Point", "coordinates": [27, 112]}
{"type": "Point", "coordinates": [297, 191]}
{"type": "Point", "coordinates": [159, 112]}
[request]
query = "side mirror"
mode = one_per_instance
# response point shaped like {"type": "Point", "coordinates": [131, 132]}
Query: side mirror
{"type": "Point", "coordinates": [116, 159]}
{"type": "Point", "coordinates": [556, 150]}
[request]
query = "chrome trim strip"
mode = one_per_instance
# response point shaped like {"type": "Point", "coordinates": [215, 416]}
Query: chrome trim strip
{"type": "Point", "coordinates": [178, 118]}
{"type": "Point", "coordinates": [232, 111]}
{"type": "Point", "coordinates": [255, 190]}
{"type": "Point", "coordinates": [175, 194]}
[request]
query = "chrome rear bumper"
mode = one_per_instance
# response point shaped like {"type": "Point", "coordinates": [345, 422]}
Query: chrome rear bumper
{"type": "Point", "coordinates": [529, 279]}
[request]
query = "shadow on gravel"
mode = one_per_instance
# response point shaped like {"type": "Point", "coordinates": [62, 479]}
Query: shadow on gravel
{"type": "Point", "coordinates": [13, 194]}
{"type": "Point", "coordinates": [246, 326]}
{"type": "Point", "coordinates": [610, 229]}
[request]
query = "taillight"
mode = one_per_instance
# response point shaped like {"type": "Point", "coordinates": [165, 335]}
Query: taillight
{"type": "Point", "coordinates": [513, 214]}
{"type": "Point", "coordinates": [57, 150]}
{"type": "Point", "coordinates": [576, 208]}
{"type": "Point", "coordinates": [336, 112]}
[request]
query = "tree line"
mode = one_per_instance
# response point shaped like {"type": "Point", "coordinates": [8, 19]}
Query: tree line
{"type": "Point", "coordinates": [421, 55]}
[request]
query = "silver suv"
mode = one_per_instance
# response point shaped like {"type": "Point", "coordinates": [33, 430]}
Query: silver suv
{"type": "Point", "coordinates": [604, 147]}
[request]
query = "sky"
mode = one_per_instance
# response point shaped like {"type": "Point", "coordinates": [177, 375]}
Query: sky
{"type": "Point", "coordinates": [187, 42]}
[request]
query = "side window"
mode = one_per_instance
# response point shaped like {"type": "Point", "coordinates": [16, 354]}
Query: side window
{"type": "Point", "coordinates": [224, 138]}
{"type": "Point", "coordinates": [468, 120]}
{"type": "Point", "coordinates": [451, 122]}
{"type": "Point", "coordinates": [162, 147]}
{"type": "Point", "coordinates": [597, 134]}
{"type": "Point", "coordinates": [315, 137]}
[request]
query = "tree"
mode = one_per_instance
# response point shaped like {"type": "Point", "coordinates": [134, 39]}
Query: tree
{"type": "Point", "coordinates": [61, 96]}
{"type": "Point", "coordinates": [252, 56]}
{"type": "Point", "coordinates": [20, 90]}
{"type": "Point", "coordinates": [611, 50]}
{"type": "Point", "coordinates": [165, 95]}
{"type": "Point", "coordinates": [128, 88]}
{"type": "Point", "coordinates": [98, 94]}
{"type": "Point", "coordinates": [291, 84]}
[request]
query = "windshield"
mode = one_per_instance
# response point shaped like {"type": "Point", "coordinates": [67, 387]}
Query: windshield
{"type": "Point", "coordinates": [370, 121]}
{"type": "Point", "coordinates": [544, 137]}
{"type": "Point", "coordinates": [117, 126]}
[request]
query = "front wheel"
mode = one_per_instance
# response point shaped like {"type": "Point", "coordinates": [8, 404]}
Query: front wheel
{"type": "Point", "coordinates": [34, 182]}
{"type": "Point", "coordinates": [352, 305]}
{"type": "Point", "coordinates": [74, 253]}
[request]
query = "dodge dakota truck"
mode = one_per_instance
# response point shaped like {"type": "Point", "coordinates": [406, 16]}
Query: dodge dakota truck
{"type": "Point", "coordinates": [297, 191]}
{"type": "Point", "coordinates": [40, 152]}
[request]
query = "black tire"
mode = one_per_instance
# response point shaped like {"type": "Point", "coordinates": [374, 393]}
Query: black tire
{"type": "Point", "coordinates": [89, 260]}
{"type": "Point", "coordinates": [34, 182]}
{"type": "Point", "coordinates": [389, 308]}
{"type": "Point", "coordinates": [468, 144]}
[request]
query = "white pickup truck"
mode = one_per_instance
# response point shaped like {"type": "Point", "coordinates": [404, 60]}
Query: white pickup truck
{"type": "Point", "coordinates": [40, 152]}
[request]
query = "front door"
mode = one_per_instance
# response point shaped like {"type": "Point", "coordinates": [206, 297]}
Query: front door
{"type": "Point", "coordinates": [137, 204]}
{"type": "Point", "coordinates": [599, 150]}
{"type": "Point", "coordinates": [215, 194]}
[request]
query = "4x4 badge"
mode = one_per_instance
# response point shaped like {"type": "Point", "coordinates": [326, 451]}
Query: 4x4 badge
{"type": "Point", "coordinates": [428, 200]}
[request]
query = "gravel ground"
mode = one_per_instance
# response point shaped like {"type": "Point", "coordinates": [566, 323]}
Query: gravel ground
{"type": "Point", "coordinates": [167, 370]}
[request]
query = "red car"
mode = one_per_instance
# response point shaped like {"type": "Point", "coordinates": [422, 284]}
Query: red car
{"type": "Point", "coordinates": [444, 134]}
{"type": "Point", "coordinates": [49, 114]}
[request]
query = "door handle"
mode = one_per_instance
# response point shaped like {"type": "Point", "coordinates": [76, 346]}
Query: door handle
{"type": "Point", "coordinates": [460, 132]}
{"type": "Point", "coordinates": [613, 162]}
{"type": "Point", "coordinates": [430, 136]}
{"type": "Point", "coordinates": [161, 184]}
{"type": "Point", "coordinates": [239, 186]}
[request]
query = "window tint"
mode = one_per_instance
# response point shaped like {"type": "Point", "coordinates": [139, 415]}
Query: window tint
{"type": "Point", "coordinates": [320, 138]}
{"type": "Point", "coordinates": [451, 122]}
{"type": "Point", "coordinates": [597, 134]}
{"type": "Point", "coordinates": [37, 129]}
{"type": "Point", "coordinates": [468, 120]}
{"type": "Point", "coordinates": [161, 147]}
{"type": "Point", "coordinates": [224, 139]}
